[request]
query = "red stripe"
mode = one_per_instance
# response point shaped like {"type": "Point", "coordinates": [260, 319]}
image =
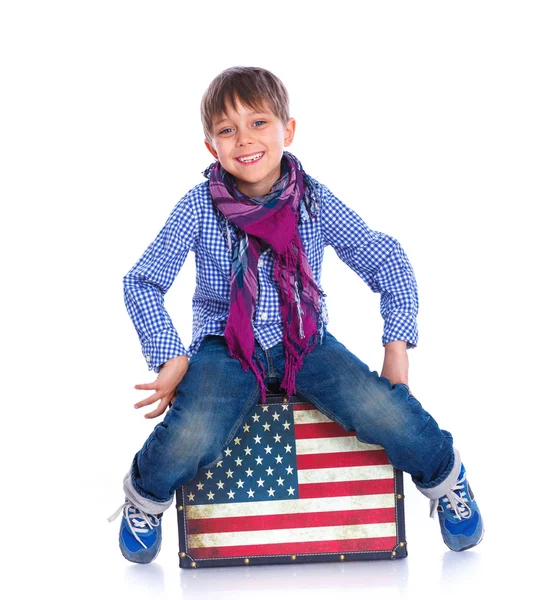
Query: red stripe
{"type": "Point", "coordinates": [320, 430]}
{"type": "Point", "coordinates": [357, 545]}
{"type": "Point", "coordinates": [346, 488]}
{"type": "Point", "coordinates": [304, 406]}
{"type": "Point", "coordinates": [331, 460]}
{"type": "Point", "coordinates": [291, 521]}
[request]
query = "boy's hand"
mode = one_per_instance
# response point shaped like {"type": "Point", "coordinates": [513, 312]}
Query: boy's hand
{"type": "Point", "coordinates": [396, 363]}
{"type": "Point", "coordinates": [165, 385]}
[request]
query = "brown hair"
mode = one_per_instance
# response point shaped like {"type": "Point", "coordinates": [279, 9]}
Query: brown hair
{"type": "Point", "coordinates": [252, 86]}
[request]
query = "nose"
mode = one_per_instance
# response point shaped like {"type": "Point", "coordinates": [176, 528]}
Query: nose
{"type": "Point", "coordinates": [244, 137]}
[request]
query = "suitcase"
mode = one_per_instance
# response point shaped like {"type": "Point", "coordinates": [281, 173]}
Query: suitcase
{"type": "Point", "coordinates": [292, 487]}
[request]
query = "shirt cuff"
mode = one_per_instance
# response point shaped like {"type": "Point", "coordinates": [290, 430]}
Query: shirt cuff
{"type": "Point", "coordinates": [161, 347]}
{"type": "Point", "coordinates": [400, 326]}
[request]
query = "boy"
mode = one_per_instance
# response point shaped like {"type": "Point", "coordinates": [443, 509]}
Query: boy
{"type": "Point", "coordinates": [258, 227]}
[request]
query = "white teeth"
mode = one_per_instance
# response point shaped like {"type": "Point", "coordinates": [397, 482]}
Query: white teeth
{"type": "Point", "coordinates": [251, 158]}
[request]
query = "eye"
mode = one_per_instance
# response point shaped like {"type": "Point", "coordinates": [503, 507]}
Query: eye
{"type": "Point", "coordinates": [229, 128]}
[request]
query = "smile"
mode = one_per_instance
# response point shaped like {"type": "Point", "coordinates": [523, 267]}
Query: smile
{"type": "Point", "coordinates": [251, 160]}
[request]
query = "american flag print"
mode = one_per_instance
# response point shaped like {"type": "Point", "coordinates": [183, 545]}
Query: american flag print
{"type": "Point", "coordinates": [291, 482]}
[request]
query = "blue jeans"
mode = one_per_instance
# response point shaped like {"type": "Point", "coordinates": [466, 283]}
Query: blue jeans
{"type": "Point", "coordinates": [216, 396]}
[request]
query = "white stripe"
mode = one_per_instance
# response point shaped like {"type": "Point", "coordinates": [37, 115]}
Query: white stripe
{"type": "Point", "coordinates": [346, 474]}
{"type": "Point", "coordinates": [285, 507]}
{"type": "Point", "coordinates": [335, 444]}
{"type": "Point", "coordinates": [281, 536]}
{"type": "Point", "coordinates": [306, 417]}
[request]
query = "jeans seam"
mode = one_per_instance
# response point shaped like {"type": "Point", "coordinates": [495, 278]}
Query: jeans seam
{"type": "Point", "coordinates": [269, 360]}
{"type": "Point", "coordinates": [315, 402]}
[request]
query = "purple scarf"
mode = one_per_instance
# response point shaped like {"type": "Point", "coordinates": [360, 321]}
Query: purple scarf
{"type": "Point", "coordinates": [272, 218]}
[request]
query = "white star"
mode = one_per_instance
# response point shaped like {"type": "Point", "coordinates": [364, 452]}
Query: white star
{"type": "Point", "coordinates": [200, 486]}
{"type": "Point", "coordinates": [257, 439]}
{"type": "Point", "coordinates": [256, 418]}
{"type": "Point", "coordinates": [229, 473]}
{"type": "Point", "coordinates": [268, 450]}
{"type": "Point", "coordinates": [210, 495]}
{"type": "Point", "coordinates": [249, 472]}
{"type": "Point", "coordinates": [237, 441]}
{"type": "Point", "coordinates": [290, 490]}
{"type": "Point", "coordinates": [288, 448]}
{"type": "Point", "coordinates": [270, 492]}
{"type": "Point", "coordinates": [266, 427]}
{"type": "Point", "coordinates": [269, 471]}
{"type": "Point", "coordinates": [247, 450]}
{"type": "Point", "coordinates": [264, 409]}
{"type": "Point", "coordinates": [240, 483]}
{"type": "Point", "coordinates": [238, 462]}
{"type": "Point", "coordinates": [219, 463]}
{"type": "Point", "coordinates": [191, 496]}
{"type": "Point", "coordinates": [246, 428]}
{"type": "Point", "coordinates": [259, 460]}
{"type": "Point", "coordinates": [280, 481]}
{"type": "Point", "coordinates": [230, 493]}
{"type": "Point", "coordinates": [278, 458]}
{"type": "Point", "coordinates": [290, 470]}
{"type": "Point", "coordinates": [228, 452]}
{"type": "Point", "coordinates": [251, 493]}
{"type": "Point", "coordinates": [285, 407]}
{"type": "Point", "coordinates": [220, 484]}
{"type": "Point", "coordinates": [276, 416]}
{"type": "Point", "coordinates": [277, 437]}
{"type": "Point", "coordinates": [209, 474]}
{"type": "Point", "coordinates": [286, 425]}
{"type": "Point", "coordinates": [260, 482]}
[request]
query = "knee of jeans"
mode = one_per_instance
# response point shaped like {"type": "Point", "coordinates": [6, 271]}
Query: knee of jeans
{"type": "Point", "coordinates": [185, 441]}
{"type": "Point", "coordinates": [380, 409]}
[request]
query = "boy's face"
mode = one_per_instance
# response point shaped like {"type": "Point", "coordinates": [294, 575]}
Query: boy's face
{"type": "Point", "coordinates": [246, 133]}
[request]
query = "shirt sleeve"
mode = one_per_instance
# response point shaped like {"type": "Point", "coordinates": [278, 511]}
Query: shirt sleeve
{"type": "Point", "coordinates": [151, 277]}
{"type": "Point", "coordinates": [380, 261]}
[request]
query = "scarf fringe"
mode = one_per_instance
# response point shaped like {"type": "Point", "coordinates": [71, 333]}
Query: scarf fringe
{"type": "Point", "coordinates": [295, 340]}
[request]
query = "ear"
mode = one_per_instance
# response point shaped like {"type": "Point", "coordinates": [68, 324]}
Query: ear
{"type": "Point", "coordinates": [290, 129]}
{"type": "Point", "coordinates": [211, 149]}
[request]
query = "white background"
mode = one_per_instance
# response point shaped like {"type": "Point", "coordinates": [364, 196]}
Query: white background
{"type": "Point", "coordinates": [418, 115]}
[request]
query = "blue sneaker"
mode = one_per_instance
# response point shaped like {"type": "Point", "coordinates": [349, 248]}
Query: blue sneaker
{"type": "Point", "coordinates": [140, 534]}
{"type": "Point", "coordinates": [459, 516]}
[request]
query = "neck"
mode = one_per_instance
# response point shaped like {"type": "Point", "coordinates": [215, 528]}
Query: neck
{"type": "Point", "coordinates": [261, 188]}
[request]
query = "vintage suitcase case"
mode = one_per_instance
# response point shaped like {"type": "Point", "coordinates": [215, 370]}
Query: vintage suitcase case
{"type": "Point", "coordinates": [292, 487]}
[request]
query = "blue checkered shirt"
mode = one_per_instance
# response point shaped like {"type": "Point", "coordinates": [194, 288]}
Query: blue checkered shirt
{"type": "Point", "coordinates": [195, 225]}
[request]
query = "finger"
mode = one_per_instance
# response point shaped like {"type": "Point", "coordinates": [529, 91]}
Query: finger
{"type": "Point", "coordinates": [159, 411]}
{"type": "Point", "coordinates": [150, 400]}
{"type": "Point", "coordinates": [146, 386]}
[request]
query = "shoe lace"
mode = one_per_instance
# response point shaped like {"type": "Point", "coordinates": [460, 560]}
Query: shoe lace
{"type": "Point", "coordinates": [457, 503]}
{"type": "Point", "coordinates": [138, 521]}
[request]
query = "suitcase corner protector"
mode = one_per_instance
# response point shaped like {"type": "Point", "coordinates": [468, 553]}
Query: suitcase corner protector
{"type": "Point", "coordinates": [186, 561]}
{"type": "Point", "coordinates": [400, 550]}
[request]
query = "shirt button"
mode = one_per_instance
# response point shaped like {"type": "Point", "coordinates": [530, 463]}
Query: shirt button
{"type": "Point", "coordinates": [264, 316]}
{"type": "Point", "coordinates": [261, 263]}
{"type": "Point", "coordinates": [148, 356]}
